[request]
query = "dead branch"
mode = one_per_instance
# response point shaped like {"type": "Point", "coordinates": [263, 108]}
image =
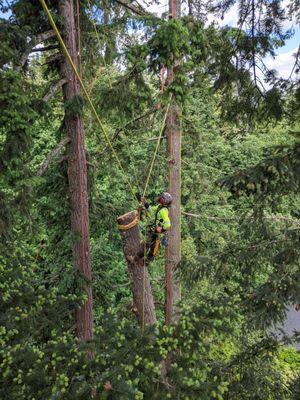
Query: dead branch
{"type": "Point", "coordinates": [136, 9]}
{"type": "Point", "coordinates": [156, 138]}
{"type": "Point", "coordinates": [53, 57]}
{"type": "Point", "coordinates": [51, 156]}
{"type": "Point", "coordinates": [54, 88]}
{"type": "Point", "coordinates": [62, 159]}
{"type": "Point", "coordinates": [34, 42]}
{"type": "Point", "coordinates": [46, 48]}
{"type": "Point", "coordinates": [119, 130]}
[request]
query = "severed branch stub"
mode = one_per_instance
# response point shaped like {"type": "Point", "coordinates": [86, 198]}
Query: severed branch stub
{"type": "Point", "coordinates": [133, 248]}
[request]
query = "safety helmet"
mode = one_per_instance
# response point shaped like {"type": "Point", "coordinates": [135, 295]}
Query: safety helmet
{"type": "Point", "coordinates": [165, 199]}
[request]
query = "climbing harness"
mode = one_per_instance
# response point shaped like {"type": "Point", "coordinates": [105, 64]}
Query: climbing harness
{"type": "Point", "coordinates": [155, 237]}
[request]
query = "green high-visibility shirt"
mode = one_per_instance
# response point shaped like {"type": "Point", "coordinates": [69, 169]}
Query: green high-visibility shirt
{"type": "Point", "coordinates": [159, 215]}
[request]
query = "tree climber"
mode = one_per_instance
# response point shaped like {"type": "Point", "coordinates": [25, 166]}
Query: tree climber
{"type": "Point", "coordinates": [158, 222]}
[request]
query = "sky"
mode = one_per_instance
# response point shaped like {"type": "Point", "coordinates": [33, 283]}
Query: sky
{"type": "Point", "coordinates": [284, 60]}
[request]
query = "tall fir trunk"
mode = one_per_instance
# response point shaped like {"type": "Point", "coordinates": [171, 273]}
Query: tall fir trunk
{"type": "Point", "coordinates": [77, 175]}
{"type": "Point", "coordinates": [174, 177]}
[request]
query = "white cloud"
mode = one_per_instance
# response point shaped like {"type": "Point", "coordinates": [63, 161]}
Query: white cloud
{"type": "Point", "coordinates": [287, 24]}
{"type": "Point", "coordinates": [283, 63]}
{"type": "Point", "coordinates": [230, 18]}
{"type": "Point", "coordinates": [158, 9]}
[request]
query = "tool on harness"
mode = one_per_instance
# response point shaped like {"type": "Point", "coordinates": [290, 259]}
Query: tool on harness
{"type": "Point", "coordinates": [164, 240]}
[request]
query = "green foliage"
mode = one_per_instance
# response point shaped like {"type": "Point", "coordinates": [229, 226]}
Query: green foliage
{"type": "Point", "coordinates": [240, 257]}
{"type": "Point", "coordinates": [278, 174]}
{"type": "Point", "coordinates": [170, 41]}
{"type": "Point", "coordinates": [16, 117]}
{"type": "Point", "coordinates": [74, 106]}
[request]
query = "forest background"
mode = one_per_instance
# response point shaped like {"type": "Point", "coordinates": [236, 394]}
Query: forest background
{"type": "Point", "coordinates": [239, 267]}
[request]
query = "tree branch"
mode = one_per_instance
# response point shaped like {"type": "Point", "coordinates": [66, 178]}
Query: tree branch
{"type": "Point", "coordinates": [138, 10]}
{"type": "Point", "coordinates": [46, 48]}
{"type": "Point", "coordinates": [119, 130]}
{"type": "Point", "coordinates": [206, 217]}
{"type": "Point", "coordinates": [268, 217]}
{"type": "Point", "coordinates": [54, 88]}
{"type": "Point", "coordinates": [156, 138]}
{"type": "Point", "coordinates": [253, 42]}
{"type": "Point", "coordinates": [295, 64]}
{"type": "Point", "coordinates": [34, 42]}
{"type": "Point", "coordinates": [51, 156]}
{"type": "Point", "coordinates": [53, 57]}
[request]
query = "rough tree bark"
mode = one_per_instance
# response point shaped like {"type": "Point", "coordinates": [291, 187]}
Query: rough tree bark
{"type": "Point", "coordinates": [133, 248]}
{"type": "Point", "coordinates": [174, 159]}
{"type": "Point", "coordinates": [77, 176]}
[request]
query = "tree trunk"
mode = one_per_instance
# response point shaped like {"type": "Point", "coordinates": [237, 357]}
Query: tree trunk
{"type": "Point", "coordinates": [134, 249]}
{"type": "Point", "coordinates": [77, 176]}
{"type": "Point", "coordinates": [173, 255]}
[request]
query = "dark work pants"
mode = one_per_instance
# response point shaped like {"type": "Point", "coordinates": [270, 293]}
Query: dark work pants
{"type": "Point", "coordinates": [152, 237]}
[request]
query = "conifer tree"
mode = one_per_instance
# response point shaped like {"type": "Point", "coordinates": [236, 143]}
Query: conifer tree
{"type": "Point", "coordinates": [77, 170]}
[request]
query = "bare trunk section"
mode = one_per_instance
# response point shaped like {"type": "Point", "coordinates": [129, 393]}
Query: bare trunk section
{"type": "Point", "coordinates": [173, 255]}
{"type": "Point", "coordinates": [133, 248]}
{"type": "Point", "coordinates": [174, 235]}
{"type": "Point", "coordinates": [77, 176]}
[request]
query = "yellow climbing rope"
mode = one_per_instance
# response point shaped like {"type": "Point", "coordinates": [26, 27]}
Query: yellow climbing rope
{"type": "Point", "coordinates": [157, 145]}
{"type": "Point", "coordinates": [67, 54]}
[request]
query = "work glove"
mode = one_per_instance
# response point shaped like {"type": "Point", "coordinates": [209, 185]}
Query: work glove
{"type": "Point", "coordinates": [142, 200]}
{"type": "Point", "coordinates": [138, 196]}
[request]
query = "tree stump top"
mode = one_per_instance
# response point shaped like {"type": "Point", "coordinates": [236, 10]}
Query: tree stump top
{"type": "Point", "coordinates": [127, 218]}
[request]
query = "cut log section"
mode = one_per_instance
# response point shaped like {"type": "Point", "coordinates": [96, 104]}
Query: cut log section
{"type": "Point", "coordinates": [134, 248]}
